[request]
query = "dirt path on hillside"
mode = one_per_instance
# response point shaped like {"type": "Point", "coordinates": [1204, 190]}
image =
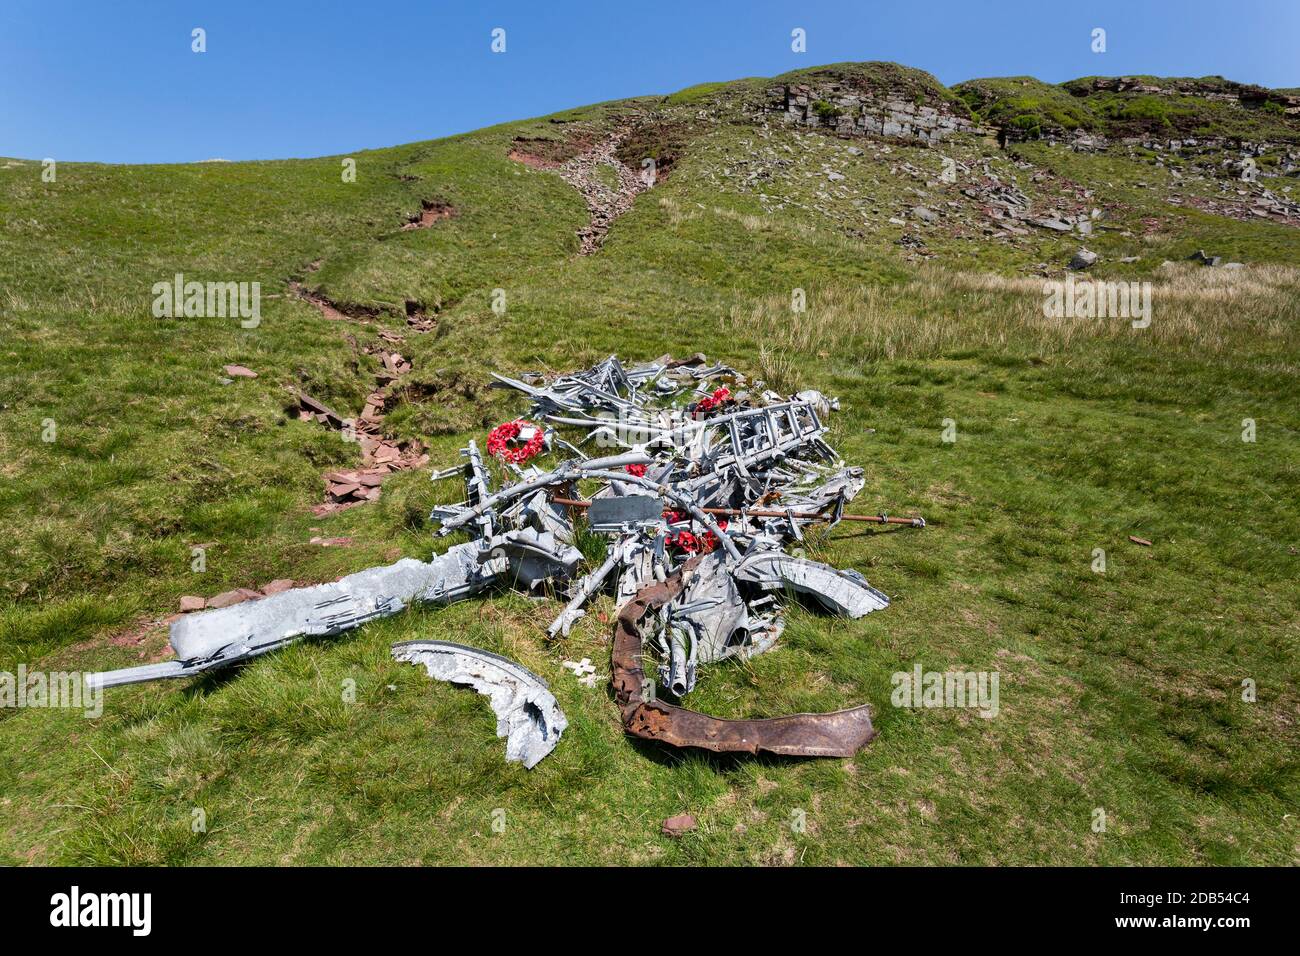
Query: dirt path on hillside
{"type": "Point", "coordinates": [589, 172]}
{"type": "Point", "coordinates": [380, 456]}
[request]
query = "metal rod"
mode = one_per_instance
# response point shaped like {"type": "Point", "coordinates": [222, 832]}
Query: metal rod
{"type": "Point", "coordinates": [758, 513]}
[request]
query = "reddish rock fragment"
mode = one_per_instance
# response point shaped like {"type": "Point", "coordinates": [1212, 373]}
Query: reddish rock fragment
{"type": "Point", "coordinates": [229, 598]}
{"type": "Point", "coordinates": [679, 825]}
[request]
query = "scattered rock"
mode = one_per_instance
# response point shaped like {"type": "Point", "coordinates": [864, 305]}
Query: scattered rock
{"type": "Point", "coordinates": [379, 455]}
{"type": "Point", "coordinates": [1057, 225]}
{"type": "Point", "coordinates": [237, 596]}
{"type": "Point", "coordinates": [192, 602]}
{"type": "Point", "coordinates": [605, 204]}
{"type": "Point", "coordinates": [1083, 259]}
{"type": "Point", "coordinates": [277, 586]}
{"type": "Point", "coordinates": [311, 410]}
{"type": "Point", "coordinates": [331, 542]}
{"type": "Point", "coordinates": [1142, 541]}
{"type": "Point", "coordinates": [238, 371]}
{"type": "Point", "coordinates": [925, 215]}
{"type": "Point", "coordinates": [1200, 256]}
{"type": "Point", "coordinates": [417, 317]}
{"type": "Point", "coordinates": [679, 825]}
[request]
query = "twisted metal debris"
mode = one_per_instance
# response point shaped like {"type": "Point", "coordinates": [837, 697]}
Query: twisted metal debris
{"type": "Point", "coordinates": [840, 734]}
{"type": "Point", "coordinates": [527, 714]}
{"type": "Point", "coordinates": [691, 589]}
{"type": "Point", "coordinates": [707, 481]}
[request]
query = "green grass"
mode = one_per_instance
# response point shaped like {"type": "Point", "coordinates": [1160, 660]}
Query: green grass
{"type": "Point", "coordinates": [1119, 690]}
{"type": "Point", "coordinates": [701, 92]}
{"type": "Point", "coordinates": [1025, 104]}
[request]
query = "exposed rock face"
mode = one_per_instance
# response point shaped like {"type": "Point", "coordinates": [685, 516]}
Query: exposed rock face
{"type": "Point", "coordinates": [1225, 91]}
{"type": "Point", "coordinates": [852, 112]}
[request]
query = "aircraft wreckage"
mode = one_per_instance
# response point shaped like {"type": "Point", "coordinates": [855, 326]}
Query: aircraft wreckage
{"type": "Point", "coordinates": [703, 491]}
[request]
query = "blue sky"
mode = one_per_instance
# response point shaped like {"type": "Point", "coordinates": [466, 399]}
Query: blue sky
{"type": "Point", "coordinates": [116, 80]}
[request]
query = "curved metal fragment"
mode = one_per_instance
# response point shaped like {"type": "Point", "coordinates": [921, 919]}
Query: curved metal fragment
{"type": "Point", "coordinates": [842, 592]}
{"type": "Point", "coordinates": [527, 713]}
{"type": "Point", "coordinates": [839, 734]}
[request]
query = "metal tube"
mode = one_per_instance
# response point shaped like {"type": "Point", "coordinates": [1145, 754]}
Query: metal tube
{"type": "Point", "coordinates": [757, 513]}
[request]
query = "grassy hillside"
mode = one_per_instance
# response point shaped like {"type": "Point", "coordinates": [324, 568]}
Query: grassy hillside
{"type": "Point", "coordinates": [1025, 104]}
{"type": "Point", "coordinates": [1119, 690]}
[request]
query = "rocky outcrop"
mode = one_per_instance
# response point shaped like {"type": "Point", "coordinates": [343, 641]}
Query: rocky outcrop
{"type": "Point", "coordinates": [1223, 91]}
{"type": "Point", "coordinates": [853, 112]}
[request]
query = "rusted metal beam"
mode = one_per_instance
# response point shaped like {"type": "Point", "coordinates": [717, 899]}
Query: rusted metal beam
{"type": "Point", "coordinates": [839, 734]}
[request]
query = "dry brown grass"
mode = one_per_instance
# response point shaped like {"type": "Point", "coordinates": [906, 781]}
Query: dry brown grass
{"type": "Point", "coordinates": [777, 370]}
{"type": "Point", "coordinates": [940, 311]}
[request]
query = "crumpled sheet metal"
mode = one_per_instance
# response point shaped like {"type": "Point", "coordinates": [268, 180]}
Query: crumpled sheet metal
{"type": "Point", "coordinates": [224, 636]}
{"type": "Point", "coordinates": [844, 592]}
{"type": "Point", "coordinates": [710, 622]}
{"type": "Point", "coordinates": [331, 608]}
{"type": "Point", "coordinates": [765, 452]}
{"type": "Point", "coordinates": [535, 558]}
{"type": "Point", "coordinates": [527, 713]}
{"type": "Point", "coordinates": [839, 734]}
